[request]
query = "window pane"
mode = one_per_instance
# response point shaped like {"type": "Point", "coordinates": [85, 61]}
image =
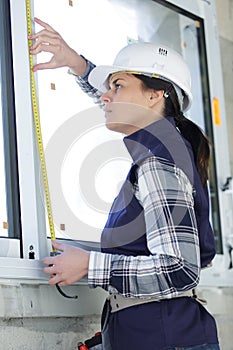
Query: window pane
{"type": "Point", "coordinates": [114, 23]}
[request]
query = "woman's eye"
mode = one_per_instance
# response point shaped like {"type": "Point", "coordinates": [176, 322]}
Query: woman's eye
{"type": "Point", "coordinates": [117, 86]}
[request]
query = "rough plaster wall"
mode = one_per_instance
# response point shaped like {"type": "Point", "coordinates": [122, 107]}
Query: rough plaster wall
{"type": "Point", "coordinates": [46, 333]}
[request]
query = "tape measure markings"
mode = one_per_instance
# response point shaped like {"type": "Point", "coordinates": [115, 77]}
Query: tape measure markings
{"type": "Point", "coordinates": [36, 115]}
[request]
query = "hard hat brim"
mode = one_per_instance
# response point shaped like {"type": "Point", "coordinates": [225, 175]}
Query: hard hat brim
{"type": "Point", "coordinates": [99, 75]}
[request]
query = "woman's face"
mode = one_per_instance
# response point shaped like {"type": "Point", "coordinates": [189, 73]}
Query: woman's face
{"type": "Point", "coordinates": [129, 106]}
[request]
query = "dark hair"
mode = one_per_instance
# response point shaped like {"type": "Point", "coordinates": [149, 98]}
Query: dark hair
{"type": "Point", "coordinates": [188, 129]}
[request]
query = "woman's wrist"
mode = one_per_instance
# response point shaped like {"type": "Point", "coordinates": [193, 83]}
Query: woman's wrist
{"type": "Point", "coordinates": [78, 66]}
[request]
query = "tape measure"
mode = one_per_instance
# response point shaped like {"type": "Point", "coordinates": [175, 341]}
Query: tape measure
{"type": "Point", "coordinates": [36, 115]}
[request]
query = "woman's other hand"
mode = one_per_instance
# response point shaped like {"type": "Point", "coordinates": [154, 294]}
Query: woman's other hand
{"type": "Point", "coordinates": [68, 267]}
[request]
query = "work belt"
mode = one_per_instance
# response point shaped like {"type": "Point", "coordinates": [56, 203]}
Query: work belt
{"type": "Point", "coordinates": [118, 302]}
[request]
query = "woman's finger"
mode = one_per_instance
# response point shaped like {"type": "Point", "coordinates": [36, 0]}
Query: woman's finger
{"type": "Point", "coordinates": [50, 260]}
{"type": "Point", "coordinates": [50, 270]}
{"type": "Point", "coordinates": [44, 25]}
{"type": "Point", "coordinates": [43, 48]}
{"type": "Point", "coordinates": [44, 37]}
{"type": "Point", "coordinates": [41, 66]}
{"type": "Point", "coordinates": [59, 246]}
{"type": "Point", "coordinates": [54, 279]}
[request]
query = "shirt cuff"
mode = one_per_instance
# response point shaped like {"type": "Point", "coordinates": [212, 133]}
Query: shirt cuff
{"type": "Point", "coordinates": [89, 68]}
{"type": "Point", "coordinates": [99, 270]}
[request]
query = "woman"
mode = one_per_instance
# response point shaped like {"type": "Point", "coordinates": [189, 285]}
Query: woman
{"type": "Point", "coordinates": [157, 236]}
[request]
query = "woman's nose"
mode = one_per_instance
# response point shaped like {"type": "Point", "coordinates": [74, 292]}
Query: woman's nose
{"type": "Point", "coordinates": [106, 97]}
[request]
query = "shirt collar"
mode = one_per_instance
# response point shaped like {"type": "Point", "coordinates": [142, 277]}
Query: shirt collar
{"type": "Point", "coordinates": [151, 139]}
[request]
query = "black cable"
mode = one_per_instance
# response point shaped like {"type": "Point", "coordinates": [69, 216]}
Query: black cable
{"type": "Point", "coordinates": [230, 249]}
{"type": "Point", "coordinates": [64, 294]}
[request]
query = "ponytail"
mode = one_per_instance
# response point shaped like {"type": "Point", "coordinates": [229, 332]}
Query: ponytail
{"type": "Point", "coordinates": [199, 143]}
{"type": "Point", "coordinates": [188, 129]}
{"type": "Point", "coordinates": [191, 132]}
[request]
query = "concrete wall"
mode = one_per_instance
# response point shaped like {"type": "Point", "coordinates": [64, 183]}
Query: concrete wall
{"type": "Point", "coordinates": [60, 333]}
{"type": "Point", "coordinates": [36, 316]}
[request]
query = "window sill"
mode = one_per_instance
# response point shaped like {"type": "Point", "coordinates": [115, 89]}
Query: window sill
{"type": "Point", "coordinates": [25, 292]}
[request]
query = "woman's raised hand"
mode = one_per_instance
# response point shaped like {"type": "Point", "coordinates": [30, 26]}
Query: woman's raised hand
{"type": "Point", "coordinates": [48, 40]}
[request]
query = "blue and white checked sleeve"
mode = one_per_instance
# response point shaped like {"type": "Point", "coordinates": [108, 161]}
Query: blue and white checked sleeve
{"type": "Point", "coordinates": [82, 81]}
{"type": "Point", "coordinates": [173, 267]}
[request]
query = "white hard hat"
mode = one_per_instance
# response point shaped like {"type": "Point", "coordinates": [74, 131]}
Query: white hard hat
{"type": "Point", "coordinates": [152, 60]}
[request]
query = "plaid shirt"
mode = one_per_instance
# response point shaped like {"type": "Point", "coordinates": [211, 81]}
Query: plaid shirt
{"type": "Point", "coordinates": [174, 263]}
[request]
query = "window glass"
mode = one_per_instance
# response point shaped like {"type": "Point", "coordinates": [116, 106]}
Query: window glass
{"type": "Point", "coordinates": [88, 180]}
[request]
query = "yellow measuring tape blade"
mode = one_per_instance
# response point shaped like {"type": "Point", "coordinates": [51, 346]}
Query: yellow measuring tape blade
{"type": "Point", "coordinates": [36, 114]}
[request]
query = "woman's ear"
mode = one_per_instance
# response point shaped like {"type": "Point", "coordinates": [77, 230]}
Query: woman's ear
{"type": "Point", "coordinates": [155, 96]}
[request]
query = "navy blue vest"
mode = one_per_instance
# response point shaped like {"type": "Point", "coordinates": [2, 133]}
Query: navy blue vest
{"type": "Point", "coordinates": [124, 232]}
{"type": "Point", "coordinates": [170, 323]}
